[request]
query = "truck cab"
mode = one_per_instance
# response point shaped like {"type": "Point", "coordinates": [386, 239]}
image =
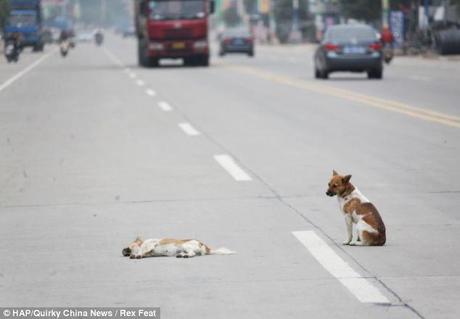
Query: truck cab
{"type": "Point", "coordinates": [173, 29]}
{"type": "Point", "coordinates": [25, 18]}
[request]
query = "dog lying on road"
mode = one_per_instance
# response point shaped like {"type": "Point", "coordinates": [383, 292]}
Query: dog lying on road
{"type": "Point", "coordinates": [359, 211]}
{"type": "Point", "coordinates": [180, 248]}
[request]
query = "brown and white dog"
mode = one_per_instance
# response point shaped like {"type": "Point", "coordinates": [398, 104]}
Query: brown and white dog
{"type": "Point", "coordinates": [358, 210]}
{"type": "Point", "coordinates": [180, 248]}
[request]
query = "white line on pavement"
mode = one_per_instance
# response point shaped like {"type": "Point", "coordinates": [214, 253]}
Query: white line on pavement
{"type": "Point", "coordinates": [189, 129]}
{"type": "Point", "coordinates": [21, 73]}
{"type": "Point", "coordinates": [164, 106]}
{"type": "Point", "coordinates": [112, 57]}
{"type": "Point", "coordinates": [150, 92]}
{"type": "Point", "coordinates": [140, 82]}
{"type": "Point", "coordinates": [228, 163]}
{"type": "Point", "coordinates": [132, 75]}
{"type": "Point", "coordinates": [359, 286]}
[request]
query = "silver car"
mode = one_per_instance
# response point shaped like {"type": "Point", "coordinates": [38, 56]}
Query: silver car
{"type": "Point", "coordinates": [353, 48]}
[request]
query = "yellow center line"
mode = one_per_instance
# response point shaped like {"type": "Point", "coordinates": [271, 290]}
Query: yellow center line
{"type": "Point", "coordinates": [389, 105]}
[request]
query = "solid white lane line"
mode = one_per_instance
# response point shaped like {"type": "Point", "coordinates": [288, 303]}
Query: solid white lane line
{"type": "Point", "coordinates": [228, 163]}
{"type": "Point", "coordinates": [21, 73]}
{"type": "Point", "coordinates": [140, 82]}
{"type": "Point", "coordinates": [150, 92]}
{"type": "Point", "coordinates": [189, 129]}
{"type": "Point", "coordinates": [359, 286]}
{"type": "Point", "coordinates": [164, 106]}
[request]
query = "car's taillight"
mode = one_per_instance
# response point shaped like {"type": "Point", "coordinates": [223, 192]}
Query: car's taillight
{"type": "Point", "coordinates": [376, 46]}
{"type": "Point", "coordinates": [227, 40]}
{"type": "Point", "coordinates": [331, 47]}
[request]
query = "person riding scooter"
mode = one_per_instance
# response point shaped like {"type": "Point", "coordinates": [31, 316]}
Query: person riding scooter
{"type": "Point", "coordinates": [99, 37]}
{"type": "Point", "coordinates": [13, 47]}
{"type": "Point", "coordinates": [387, 43]}
{"type": "Point", "coordinates": [64, 42]}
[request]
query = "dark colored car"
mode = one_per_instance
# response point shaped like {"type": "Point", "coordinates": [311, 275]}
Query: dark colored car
{"type": "Point", "coordinates": [353, 48]}
{"type": "Point", "coordinates": [236, 41]}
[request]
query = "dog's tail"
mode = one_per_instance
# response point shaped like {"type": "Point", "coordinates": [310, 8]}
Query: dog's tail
{"type": "Point", "coordinates": [221, 251]}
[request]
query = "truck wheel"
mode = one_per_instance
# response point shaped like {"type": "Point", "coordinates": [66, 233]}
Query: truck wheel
{"type": "Point", "coordinates": [189, 61]}
{"type": "Point", "coordinates": [153, 62]}
{"type": "Point", "coordinates": [141, 56]}
{"type": "Point", "coordinates": [203, 60]}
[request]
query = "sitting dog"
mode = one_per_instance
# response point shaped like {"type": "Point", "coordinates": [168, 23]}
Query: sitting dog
{"type": "Point", "coordinates": [359, 211]}
{"type": "Point", "coordinates": [180, 248]}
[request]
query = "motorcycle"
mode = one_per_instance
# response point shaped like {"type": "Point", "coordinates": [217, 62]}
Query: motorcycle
{"type": "Point", "coordinates": [99, 38]}
{"type": "Point", "coordinates": [64, 48]}
{"type": "Point", "coordinates": [11, 52]}
{"type": "Point", "coordinates": [388, 54]}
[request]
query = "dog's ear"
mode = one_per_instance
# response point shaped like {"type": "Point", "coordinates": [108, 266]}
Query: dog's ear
{"type": "Point", "coordinates": [334, 173]}
{"type": "Point", "coordinates": [346, 179]}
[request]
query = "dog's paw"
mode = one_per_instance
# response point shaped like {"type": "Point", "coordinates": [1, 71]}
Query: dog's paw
{"type": "Point", "coordinates": [356, 243]}
{"type": "Point", "coordinates": [346, 242]}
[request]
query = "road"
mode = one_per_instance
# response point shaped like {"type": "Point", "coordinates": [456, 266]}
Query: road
{"type": "Point", "coordinates": [95, 151]}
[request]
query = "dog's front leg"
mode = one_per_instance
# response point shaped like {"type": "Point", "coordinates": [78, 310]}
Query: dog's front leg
{"type": "Point", "coordinates": [349, 225]}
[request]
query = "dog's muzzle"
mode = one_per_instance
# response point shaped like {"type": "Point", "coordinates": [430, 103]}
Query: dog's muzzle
{"type": "Point", "coordinates": [330, 193]}
{"type": "Point", "coordinates": [126, 252]}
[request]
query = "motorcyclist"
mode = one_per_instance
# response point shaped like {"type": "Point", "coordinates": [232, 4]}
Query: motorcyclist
{"type": "Point", "coordinates": [14, 38]}
{"type": "Point", "coordinates": [64, 36]}
{"type": "Point", "coordinates": [64, 42]}
{"type": "Point", "coordinates": [98, 37]}
{"type": "Point", "coordinates": [387, 37]}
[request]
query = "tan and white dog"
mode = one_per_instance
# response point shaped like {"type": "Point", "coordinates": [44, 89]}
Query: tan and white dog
{"type": "Point", "coordinates": [358, 210]}
{"type": "Point", "coordinates": [168, 247]}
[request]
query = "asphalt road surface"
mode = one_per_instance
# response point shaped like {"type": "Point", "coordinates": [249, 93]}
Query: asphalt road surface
{"type": "Point", "coordinates": [95, 151]}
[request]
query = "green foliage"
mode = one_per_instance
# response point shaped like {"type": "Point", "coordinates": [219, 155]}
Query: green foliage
{"type": "Point", "coordinates": [366, 10]}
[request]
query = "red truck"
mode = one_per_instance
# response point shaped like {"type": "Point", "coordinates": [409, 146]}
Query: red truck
{"type": "Point", "coordinates": [172, 29]}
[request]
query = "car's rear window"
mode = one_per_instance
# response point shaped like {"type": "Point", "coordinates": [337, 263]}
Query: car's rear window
{"type": "Point", "coordinates": [352, 34]}
{"type": "Point", "coordinates": [236, 33]}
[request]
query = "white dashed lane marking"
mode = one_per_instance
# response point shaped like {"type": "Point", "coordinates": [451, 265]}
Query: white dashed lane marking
{"type": "Point", "coordinates": [140, 82]}
{"type": "Point", "coordinates": [150, 92]}
{"type": "Point", "coordinates": [229, 164]}
{"type": "Point", "coordinates": [189, 129]}
{"type": "Point", "coordinates": [359, 286]}
{"type": "Point", "coordinates": [164, 106]}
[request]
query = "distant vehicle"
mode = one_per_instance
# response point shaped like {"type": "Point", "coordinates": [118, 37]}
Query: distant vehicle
{"type": "Point", "coordinates": [25, 17]}
{"type": "Point", "coordinates": [354, 48]}
{"type": "Point", "coordinates": [85, 36]}
{"type": "Point", "coordinates": [238, 40]}
{"type": "Point", "coordinates": [128, 31]}
{"type": "Point", "coordinates": [173, 29]}
{"type": "Point", "coordinates": [98, 37]}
